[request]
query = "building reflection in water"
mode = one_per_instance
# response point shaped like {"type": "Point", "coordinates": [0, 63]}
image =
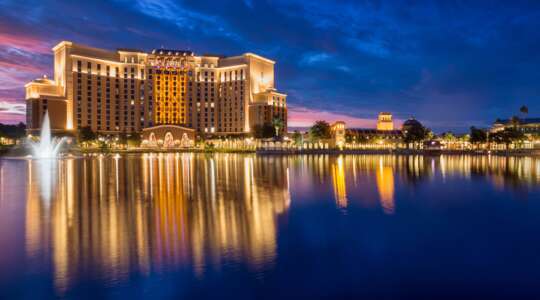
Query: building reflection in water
{"type": "Point", "coordinates": [385, 185]}
{"type": "Point", "coordinates": [339, 184]}
{"type": "Point", "coordinates": [110, 216]}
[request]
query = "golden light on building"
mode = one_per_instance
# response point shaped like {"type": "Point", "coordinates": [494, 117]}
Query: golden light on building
{"type": "Point", "coordinates": [129, 90]}
{"type": "Point", "coordinates": [338, 133]}
{"type": "Point", "coordinates": [384, 122]}
{"type": "Point", "coordinates": [170, 90]}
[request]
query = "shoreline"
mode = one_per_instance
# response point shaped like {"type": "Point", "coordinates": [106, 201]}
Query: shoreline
{"type": "Point", "coordinates": [19, 152]}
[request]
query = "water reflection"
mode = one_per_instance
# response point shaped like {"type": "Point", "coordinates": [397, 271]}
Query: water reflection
{"type": "Point", "coordinates": [339, 183]}
{"type": "Point", "coordinates": [148, 214]}
{"type": "Point", "coordinates": [385, 185]}
{"type": "Point", "coordinates": [111, 216]}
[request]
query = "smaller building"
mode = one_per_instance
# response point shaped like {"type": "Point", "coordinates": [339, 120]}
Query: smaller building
{"type": "Point", "coordinates": [363, 135]}
{"type": "Point", "coordinates": [384, 122]}
{"type": "Point", "coordinates": [168, 137]}
{"type": "Point", "coordinates": [338, 133]}
{"type": "Point", "coordinates": [42, 96]}
{"type": "Point", "coordinates": [267, 106]}
{"type": "Point", "coordinates": [529, 126]}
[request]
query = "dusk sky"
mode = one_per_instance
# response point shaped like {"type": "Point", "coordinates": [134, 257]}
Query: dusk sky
{"type": "Point", "coordinates": [450, 64]}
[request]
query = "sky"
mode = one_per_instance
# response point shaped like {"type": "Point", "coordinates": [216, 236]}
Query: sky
{"type": "Point", "coordinates": [449, 64]}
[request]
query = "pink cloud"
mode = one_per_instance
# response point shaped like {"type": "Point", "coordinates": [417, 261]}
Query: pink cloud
{"type": "Point", "coordinates": [26, 43]}
{"type": "Point", "coordinates": [22, 58]}
{"type": "Point", "coordinates": [20, 67]}
{"type": "Point", "coordinates": [12, 112]}
{"type": "Point", "coordinates": [305, 117]}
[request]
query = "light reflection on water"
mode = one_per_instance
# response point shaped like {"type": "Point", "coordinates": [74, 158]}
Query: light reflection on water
{"type": "Point", "coordinates": [109, 217]}
{"type": "Point", "coordinates": [154, 213]}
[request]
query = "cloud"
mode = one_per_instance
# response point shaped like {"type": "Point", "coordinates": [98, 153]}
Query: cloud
{"type": "Point", "coordinates": [12, 108]}
{"type": "Point", "coordinates": [12, 112]}
{"type": "Point", "coordinates": [344, 69]}
{"type": "Point", "coordinates": [305, 117]}
{"type": "Point", "coordinates": [309, 59]}
{"type": "Point", "coordinates": [340, 58]}
{"type": "Point", "coordinates": [183, 18]}
{"type": "Point", "coordinates": [26, 43]}
{"type": "Point", "coordinates": [371, 47]}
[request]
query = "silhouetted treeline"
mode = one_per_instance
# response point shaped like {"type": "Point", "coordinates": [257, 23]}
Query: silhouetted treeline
{"type": "Point", "coordinates": [13, 131]}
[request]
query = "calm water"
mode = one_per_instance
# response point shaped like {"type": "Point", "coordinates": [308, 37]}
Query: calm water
{"type": "Point", "coordinates": [233, 226]}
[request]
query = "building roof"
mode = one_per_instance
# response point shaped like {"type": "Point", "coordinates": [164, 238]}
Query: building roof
{"type": "Point", "coordinates": [524, 121]}
{"type": "Point", "coordinates": [172, 52]}
{"type": "Point", "coordinates": [411, 122]}
{"type": "Point", "coordinates": [374, 131]}
{"type": "Point", "coordinates": [130, 50]}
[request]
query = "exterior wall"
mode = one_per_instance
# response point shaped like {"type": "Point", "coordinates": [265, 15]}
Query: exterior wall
{"type": "Point", "coordinates": [107, 96]}
{"type": "Point", "coordinates": [338, 133]}
{"type": "Point", "coordinates": [39, 96]}
{"type": "Point", "coordinates": [267, 106]}
{"type": "Point", "coordinates": [36, 109]}
{"type": "Point", "coordinates": [261, 113]}
{"type": "Point", "coordinates": [128, 90]}
{"type": "Point", "coordinates": [394, 136]}
{"type": "Point", "coordinates": [233, 97]}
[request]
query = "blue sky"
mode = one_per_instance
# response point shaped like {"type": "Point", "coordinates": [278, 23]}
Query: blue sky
{"type": "Point", "coordinates": [450, 64]}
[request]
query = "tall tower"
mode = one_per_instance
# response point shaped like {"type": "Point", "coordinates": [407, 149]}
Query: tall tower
{"type": "Point", "coordinates": [170, 69]}
{"type": "Point", "coordinates": [384, 122]}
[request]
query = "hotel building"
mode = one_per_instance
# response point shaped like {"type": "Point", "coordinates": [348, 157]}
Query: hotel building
{"type": "Point", "coordinates": [129, 90]}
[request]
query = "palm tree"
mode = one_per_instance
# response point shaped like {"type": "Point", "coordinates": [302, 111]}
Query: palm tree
{"type": "Point", "coordinates": [524, 110]}
{"type": "Point", "coordinates": [277, 122]}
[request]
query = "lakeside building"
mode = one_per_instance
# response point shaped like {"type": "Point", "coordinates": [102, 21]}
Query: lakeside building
{"type": "Point", "coordinates": [337, 131]}
{"type": "Point", "coordinates": [529, 126]}
{"type": "Point", "coordinates": [126, 91]}
{"type": "Point", "coordinates": [384, 131]}
{"type": "Point", "coordinates": [367, 134]}
{"type": "Point", "coordinates": [384, 122]}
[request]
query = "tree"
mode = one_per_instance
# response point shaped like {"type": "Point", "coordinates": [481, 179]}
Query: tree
{"type": "Point", "coordinates": [13, 131]}
{"type": "Point", "coordinates": [415, 133]}
{"type": "Point", "coordinates": [297, 137]}
{"type": "Point", "coordinates": [449, 137]}
{"type": "Point", "coordinates": [277, 123]}
{"type": "Point", "coordinates": [86, 134]}
{"type": "Point", "coordinates": [319, 130]}
{"type": "Point", "coordinates": [524, 110]}
{"type": "Point", "coordinates": [478, 136]}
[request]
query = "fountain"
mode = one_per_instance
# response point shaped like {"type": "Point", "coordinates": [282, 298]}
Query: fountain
{"type": "Point", "coordinates": [46, 147]}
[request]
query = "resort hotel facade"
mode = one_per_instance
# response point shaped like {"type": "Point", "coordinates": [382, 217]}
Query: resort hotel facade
{"type": "Point", "coordinates": [132, 91]}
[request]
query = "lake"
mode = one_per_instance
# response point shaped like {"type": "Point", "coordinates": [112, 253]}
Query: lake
{"type": "Point", "coordinates": [242, 226]}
